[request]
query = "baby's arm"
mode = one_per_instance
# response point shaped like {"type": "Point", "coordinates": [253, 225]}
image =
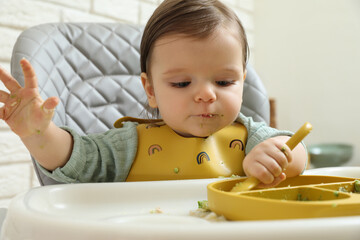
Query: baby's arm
{"type": "Point", "coordinates": [29, 116]}
{"type": "Point", "coordinates": [268, 163]}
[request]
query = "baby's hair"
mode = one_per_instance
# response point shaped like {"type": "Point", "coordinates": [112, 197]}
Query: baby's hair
{"type": "Point", "coordinates": [194, 18]}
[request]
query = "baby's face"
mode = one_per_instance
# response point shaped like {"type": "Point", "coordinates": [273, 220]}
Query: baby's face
{"type": "Point", "coordinates": [197, 84]}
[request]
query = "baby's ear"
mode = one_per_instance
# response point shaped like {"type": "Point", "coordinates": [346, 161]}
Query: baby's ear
{"type": "Point", "coordinates": [149, 90]}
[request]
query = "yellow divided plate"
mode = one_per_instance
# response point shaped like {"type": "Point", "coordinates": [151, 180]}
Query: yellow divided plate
{"type": "Point", "coordinates": [297, 197]}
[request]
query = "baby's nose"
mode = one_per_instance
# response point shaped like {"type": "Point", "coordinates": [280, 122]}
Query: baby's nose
{"type": "Point", "coordinates": [205, 94]}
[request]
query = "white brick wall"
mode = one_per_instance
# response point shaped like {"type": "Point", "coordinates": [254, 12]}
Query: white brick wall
{"type": "Point", "coordinates": [16, 172]}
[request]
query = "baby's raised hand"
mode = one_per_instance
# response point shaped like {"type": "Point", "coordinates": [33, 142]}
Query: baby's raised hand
{"type": "Point", "coordinates": [24, 110]}
{"type": "Point", "coordinates": [267, 161]}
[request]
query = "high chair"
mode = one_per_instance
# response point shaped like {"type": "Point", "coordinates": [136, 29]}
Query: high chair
{"type": "Point", "coordinates": [94, 68]}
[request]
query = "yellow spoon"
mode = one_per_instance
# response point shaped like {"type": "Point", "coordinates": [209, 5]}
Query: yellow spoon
{"type": "Point", "coordinates": [252, 182]}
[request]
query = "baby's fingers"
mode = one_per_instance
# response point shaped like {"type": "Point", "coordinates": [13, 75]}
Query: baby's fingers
{"type": "Point", "coordinates": [9, 82]}
{"type": "Point", "coordinates": [50, 104]}
{"type": "Point", "coordinates": [261, 172]}
{"type": "Point", "coordinates": [281, 161]}
{"type": "Point", "coordinates": [286, 151]}
{"type": "Point", "coordinates": [276, 181]}
{"type": "Point", "coordinates": [4, 96]}
{"type": "Point", "coordinates": [2, 109]}
{"type": "Point", "coordinates": [10, 104]}
{"type": "Point", "coordinates": [29, 74]}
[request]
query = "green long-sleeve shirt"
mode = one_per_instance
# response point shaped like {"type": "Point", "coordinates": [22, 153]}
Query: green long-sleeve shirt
{"type": "Point", "coordinates": [107, 157]}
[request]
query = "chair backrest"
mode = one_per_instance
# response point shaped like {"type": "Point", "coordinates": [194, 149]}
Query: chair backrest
{"type": "Point", "coordinates": [94, 68]}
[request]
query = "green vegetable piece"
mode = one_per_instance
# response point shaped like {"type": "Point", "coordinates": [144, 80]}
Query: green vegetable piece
{"type": "Point", "coordinates": [299, 197]}
{"type": "Point", "coordinates": [176, 170]}
{"type": "Point", "coordinates": [203, 205]}
{"type": "Point", "coordinates": [336, 193]}
{"type": "Point", "coordinates": [357, 186]}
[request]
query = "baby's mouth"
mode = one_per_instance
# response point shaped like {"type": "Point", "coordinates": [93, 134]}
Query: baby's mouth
{"type": "Point", "coordinates": [207, 115]}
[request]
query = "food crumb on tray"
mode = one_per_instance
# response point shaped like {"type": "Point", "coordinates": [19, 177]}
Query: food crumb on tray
{"type": "Point", "coordinates": [203, 211]}
{"type": "Point", "coordinates": [156, 210]}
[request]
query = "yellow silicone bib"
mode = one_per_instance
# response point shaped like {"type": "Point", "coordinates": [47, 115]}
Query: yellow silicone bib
{"type": "Point", "coordinates": [164, 155]}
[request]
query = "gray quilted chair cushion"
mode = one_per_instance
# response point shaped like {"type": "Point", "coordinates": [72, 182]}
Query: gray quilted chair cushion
{"type": "Point", "coordinates": [94, 68]}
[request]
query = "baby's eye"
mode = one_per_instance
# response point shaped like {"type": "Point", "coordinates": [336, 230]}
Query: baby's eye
{"type": "Point", "coordinates": [224, 83]}
{"type": "Point", "coordinates": [180, 84]}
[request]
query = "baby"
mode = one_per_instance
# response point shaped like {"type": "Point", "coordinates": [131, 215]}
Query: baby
{"type": "Point", "coordinates": [193, 62]}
